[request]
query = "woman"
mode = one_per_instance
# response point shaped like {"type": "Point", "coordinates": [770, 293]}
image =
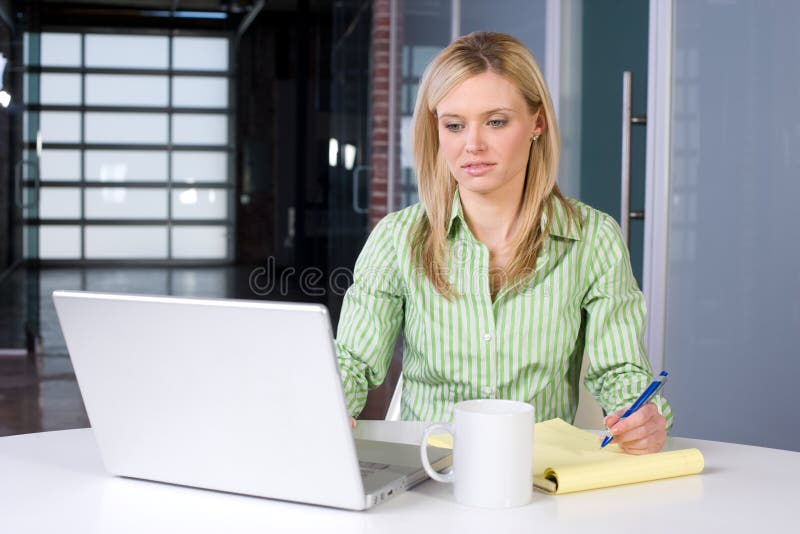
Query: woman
{"type": "Point", "coordinates": [500, 283]}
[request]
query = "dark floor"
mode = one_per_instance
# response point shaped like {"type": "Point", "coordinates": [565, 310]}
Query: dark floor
{"type": "Point", "coordinates": [40, 393]}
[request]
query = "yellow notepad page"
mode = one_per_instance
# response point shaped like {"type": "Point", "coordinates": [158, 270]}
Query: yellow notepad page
{"type": "Point", "coordinates": [567, 459]}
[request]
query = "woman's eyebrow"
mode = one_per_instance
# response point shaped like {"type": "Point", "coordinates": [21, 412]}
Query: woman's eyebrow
{"type": "Point", "coordinates": [495, 110]}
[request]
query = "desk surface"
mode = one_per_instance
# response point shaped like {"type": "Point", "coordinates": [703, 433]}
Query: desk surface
{"type": "Point", "coordinates": [55, 482]}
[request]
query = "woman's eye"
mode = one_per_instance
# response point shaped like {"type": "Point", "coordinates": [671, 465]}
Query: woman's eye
{"type": "Point", "coordinates": [453, 127]}
{"type": "Point", "coordinates": [496, 123]}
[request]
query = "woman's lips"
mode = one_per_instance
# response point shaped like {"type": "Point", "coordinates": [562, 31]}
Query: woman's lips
{"type": "Point", "coordinates": [478, 169]}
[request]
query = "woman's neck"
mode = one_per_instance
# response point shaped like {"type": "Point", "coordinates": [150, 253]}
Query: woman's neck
{"type": "Point", "coordinates": [492, 217]}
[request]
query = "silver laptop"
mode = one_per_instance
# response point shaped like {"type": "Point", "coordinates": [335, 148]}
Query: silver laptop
{"type": "Point", "coordinates": [232, 395]}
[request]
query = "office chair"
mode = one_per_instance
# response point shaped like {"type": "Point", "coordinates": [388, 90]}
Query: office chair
{"type": "Point", "coordinates": [393, 412]}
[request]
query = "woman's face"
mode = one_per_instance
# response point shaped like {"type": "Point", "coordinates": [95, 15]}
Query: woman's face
{"type": "Point", "coordinates": [485, 131]}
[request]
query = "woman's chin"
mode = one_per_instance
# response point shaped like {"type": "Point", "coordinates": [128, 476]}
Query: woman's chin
{"type": "Point", "coordinates": [479, 185]}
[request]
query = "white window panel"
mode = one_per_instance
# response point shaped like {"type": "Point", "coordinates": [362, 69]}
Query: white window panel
{"type": "Point", "coordinates": [59, 88]}
{"type": "Point", "coordinates": [127, 51]}
{"type": "Point", "coordinates": [60, 203]}
{"type": "Point", "coordinates": [194, 166]}
{"type": "Point", "coordinates": [126, 242]}
{"type": "Point", "coordinates": [59, 242]}
{"type": "Point", "coordinates": [199, 242]}
{"type": "Point", "coordinates": [125, 203]}
{"type": "Point", "coordinates": [54, 88]}
{"type": "Point", "coordinates": [200, 53]}
{"type": "Point", "coordinates": [125, 165]}
{"type": "Point", "coordinates": [60, 50]}
{"type": "Point", "coordinates": [199, 92]}
{"type": "Point", "coordinates": [198, 203]}
{"type": "Point", "coordinates": [126, 90]}
{"type": "Point", "coordinates": [133, 128]}
{"type": "Point", "coordinates": [56, 126]}
{"type": "Point", "coordinates": [56, 164]}
{"type": "Point", "coordinates": [191, 129]}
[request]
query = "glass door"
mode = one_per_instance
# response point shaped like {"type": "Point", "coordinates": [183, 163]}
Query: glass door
{"type": "Point", "coordinates": [19, 190]}
{"type": "Point", "coordinates": [349, 146]}
{"type": "Point", "coordinates": [722, 253]}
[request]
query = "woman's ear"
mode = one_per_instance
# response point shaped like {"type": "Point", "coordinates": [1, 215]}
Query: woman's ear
{"type": "Point", "coordinates": [540, 123]}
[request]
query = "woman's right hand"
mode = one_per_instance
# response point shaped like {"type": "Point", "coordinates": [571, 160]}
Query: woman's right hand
{"type": "Point", "coordinates": [352, 423]}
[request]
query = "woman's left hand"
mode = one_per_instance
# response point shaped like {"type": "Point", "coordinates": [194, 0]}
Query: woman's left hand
{"type": "Point", "coordinates": [640, 433]}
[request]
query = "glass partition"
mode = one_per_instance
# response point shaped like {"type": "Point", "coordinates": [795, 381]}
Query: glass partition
{"type": "Point", "coordinates": [731, 312]}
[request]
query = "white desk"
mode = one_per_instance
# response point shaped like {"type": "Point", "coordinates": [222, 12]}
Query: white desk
{"type": "Point", "coordinates": [55, 482]}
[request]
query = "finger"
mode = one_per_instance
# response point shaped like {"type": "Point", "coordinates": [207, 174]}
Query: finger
{"type": "Point", "coordinates": [612, 418]}
{"type": "Point", "coordinates": [352, 423]}
{"type": "Point", "coordinates": [653, 436]}
{"type": "Point", "coordinates": [649, 427]}
{"type": "Point", "coordinates": [650, 444]}
{"type": "Point", "coordinates": [637, 418]}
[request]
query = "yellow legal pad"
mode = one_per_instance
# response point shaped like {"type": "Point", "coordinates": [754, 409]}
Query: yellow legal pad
{"type": "Point", "coordinates": [567, 459]}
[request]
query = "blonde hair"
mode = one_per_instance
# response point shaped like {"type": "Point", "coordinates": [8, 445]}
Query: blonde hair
{"type": "Point", "coordinates": [465, 57]}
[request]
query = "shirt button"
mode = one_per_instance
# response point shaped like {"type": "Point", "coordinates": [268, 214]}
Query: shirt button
{"type": "Point", "coordinates": [488, 391]}
{"type": "Point", "coordinates": [487, 336]}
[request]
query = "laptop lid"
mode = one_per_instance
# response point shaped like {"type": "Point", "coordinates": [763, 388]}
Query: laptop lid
{"type": "Point", "coordinates": [232, 395]}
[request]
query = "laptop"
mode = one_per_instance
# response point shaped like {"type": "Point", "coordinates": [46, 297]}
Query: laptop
{"type": "Point", "coordinates": [231, 395]}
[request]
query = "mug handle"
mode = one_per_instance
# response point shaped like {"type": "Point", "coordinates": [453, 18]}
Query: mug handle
{"type": "Point", "coordinates": [423, 449]}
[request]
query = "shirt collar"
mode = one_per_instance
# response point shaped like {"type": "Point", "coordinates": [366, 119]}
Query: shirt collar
{"type": "Point", "coordinates": [456, 212]}
{"type": "Point", "coordinates": [561, 221]}
{"type": "Point", "coordinates": [558, 228]}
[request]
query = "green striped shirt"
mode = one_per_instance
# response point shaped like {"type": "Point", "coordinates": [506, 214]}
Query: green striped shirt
{"type": "Point", "coordinates": [525, 345]}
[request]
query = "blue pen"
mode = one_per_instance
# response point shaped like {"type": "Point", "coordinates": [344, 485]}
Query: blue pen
{"type": "Point", "coordinates": [651, 390]}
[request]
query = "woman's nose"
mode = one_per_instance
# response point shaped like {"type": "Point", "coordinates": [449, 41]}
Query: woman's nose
{"type": "Point", "coordinates": [474, 143]}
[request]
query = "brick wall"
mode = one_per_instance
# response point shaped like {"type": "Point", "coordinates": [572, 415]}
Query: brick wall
{"type": "Point", "coordinates": [379, 106]}
{"type": "Point", "coordinates": [378, 400]}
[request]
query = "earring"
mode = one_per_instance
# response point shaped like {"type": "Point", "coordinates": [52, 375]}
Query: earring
{"type": "Point", "coordinates": [535, 138]}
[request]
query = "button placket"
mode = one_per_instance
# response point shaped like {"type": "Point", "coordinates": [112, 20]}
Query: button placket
{"type": "Point", "coordinates": [490, 391]}
{"type": "Point", "coordinates": [488, 337]}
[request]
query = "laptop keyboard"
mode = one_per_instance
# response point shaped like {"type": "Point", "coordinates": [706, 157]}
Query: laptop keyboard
{"type": "Point", "coordinates": [368, 468]}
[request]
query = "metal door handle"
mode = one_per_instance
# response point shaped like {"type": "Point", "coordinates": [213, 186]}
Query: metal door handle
{"type": "Point", "coordinates": [627, 121]}
{"type": "Point", "coordinates": [356, 205]}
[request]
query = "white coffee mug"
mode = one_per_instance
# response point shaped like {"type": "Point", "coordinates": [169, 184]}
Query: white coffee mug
{"type": "Point", "coordinates": [492, 453]}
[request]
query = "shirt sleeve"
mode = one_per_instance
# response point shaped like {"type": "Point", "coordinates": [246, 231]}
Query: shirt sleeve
{"type": "Point", "coordinates": [619, 369]}
{"type": "Point", "coordinates": [371, 315]}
